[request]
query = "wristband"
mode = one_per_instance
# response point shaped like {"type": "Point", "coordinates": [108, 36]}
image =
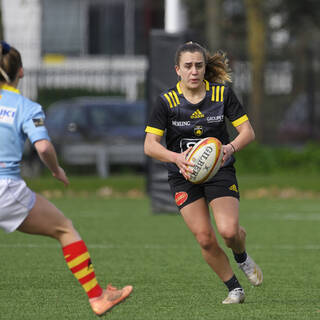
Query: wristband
{"type": "Point", "coordinates": [234, 149]}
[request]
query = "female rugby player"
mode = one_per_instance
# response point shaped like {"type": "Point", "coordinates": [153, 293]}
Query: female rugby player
{"type": "Point", "coordinates": [197, 107]}
{"type": "Point", "coordinates": [20, 208]}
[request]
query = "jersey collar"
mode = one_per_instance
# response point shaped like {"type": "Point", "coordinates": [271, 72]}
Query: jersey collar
{"type": "Point", "coordinates": [9, 88]}
{"type": "Point", "coordinates": [205, 81]}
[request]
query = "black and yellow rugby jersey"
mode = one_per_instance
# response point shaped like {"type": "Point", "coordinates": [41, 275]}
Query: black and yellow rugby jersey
{"type": "Point", "coordinates": [186, 123]}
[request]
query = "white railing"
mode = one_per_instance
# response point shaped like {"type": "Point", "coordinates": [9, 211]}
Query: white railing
{"type": "Point", "coordinates": [122, 74]}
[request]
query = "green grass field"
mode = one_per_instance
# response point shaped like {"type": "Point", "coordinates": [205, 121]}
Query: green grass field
{"type": "Point", "coordinates": [160, 258]}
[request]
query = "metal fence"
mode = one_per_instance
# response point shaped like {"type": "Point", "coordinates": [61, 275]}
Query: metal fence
{"type": "Point", "coordinates": [120, 74]}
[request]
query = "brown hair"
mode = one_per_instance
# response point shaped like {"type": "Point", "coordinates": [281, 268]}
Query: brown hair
{"type": "Point", "coordinates": [217, 67]}
{"type": "Point", "coordinates": [10, 62]}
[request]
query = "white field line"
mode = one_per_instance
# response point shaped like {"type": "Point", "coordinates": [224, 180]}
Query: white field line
{"type": "Point", "coordinates": [159, 247]}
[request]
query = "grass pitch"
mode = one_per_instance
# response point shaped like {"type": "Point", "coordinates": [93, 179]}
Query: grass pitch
{"type": "Point", "coordinates": [160, 258]}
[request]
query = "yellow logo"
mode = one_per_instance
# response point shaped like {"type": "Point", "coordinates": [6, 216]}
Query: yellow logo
{"type": "Point", "coordinates": [198, 131]}
{"type": "Point", "coordinates": [233, 188]}
{"type": "Point", "coordinates": [197, 114]}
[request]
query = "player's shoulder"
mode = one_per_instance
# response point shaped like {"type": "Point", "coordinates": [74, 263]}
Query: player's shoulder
{"type": "Point", "coordinates": [171, 96]}
{"type": "Point", "coordinates": [217, 92]}
{"type": "Point", "coordinates": [30, 105]}
{"type": "Point", "coordinates": [212, 85]}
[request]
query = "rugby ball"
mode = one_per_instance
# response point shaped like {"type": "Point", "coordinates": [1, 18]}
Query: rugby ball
{"type": "Point", "coordinates": [207, 156]}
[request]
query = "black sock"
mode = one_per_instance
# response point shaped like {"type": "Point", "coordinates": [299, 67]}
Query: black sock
{"type": "Point", "coordinates": [233, 283]}
{"type": "Point", "coordinates": [240, 257]}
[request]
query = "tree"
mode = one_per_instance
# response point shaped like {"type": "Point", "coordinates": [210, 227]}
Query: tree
{"type": "Point", "coordinates": [213, 26]}
{"type": "Point", "coordinates": [256, 33]}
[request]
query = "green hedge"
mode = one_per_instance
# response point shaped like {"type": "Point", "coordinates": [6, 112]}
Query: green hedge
{"type": "Point", "coordinates": [266, 159]}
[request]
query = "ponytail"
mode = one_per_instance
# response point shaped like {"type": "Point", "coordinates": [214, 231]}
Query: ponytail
{"type": "Point", "coordinates": [4, 49]}
{"type": "Point", "coordinates": [10, 62]}
{"type": "Point", "coordinates": [217, 68]}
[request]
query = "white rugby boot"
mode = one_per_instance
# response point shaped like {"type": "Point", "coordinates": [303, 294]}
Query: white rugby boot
{"type": "Point", "coordinates": [252, 271]}
{"type": "Point", "coordinates": [235, 296]}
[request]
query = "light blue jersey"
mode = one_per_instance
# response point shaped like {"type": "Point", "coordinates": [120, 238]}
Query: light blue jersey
{"type": "Point", "coordinates": [20, 118]}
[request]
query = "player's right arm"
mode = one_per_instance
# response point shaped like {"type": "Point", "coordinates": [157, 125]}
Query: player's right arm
{"type": "Point", "coordinates": [154, 132]}
{"type": "Point", "coordinates": [48, 156]}
{"type": "Point", "coordinates": [153, 148]}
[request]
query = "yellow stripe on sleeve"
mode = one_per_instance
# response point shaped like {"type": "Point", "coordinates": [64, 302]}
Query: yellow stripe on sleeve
{"type": "Point", "coordinates": [176, 97]}
{"type": "Point", "coordinates": [217, 94]}
{"type": "Point", "coordinates": [167, 97]}
{"type": "Point", "coordinates": [156, 131]}
{"type": "Point", "coordinates": [85, 256]}
{"type": "Point", "coordinates": [222, 90]}
{"type": "Point", "coordinates": [213, 93]}
{"type": "Point", "coordinates": [239, 121]}
{"type": "Point", "coordinates": [90, 285]}
{"type": "Point", "coordinates": [172, 98]}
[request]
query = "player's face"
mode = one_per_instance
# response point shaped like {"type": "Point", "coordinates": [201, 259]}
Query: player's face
{"type": "Point", "coordinates": [191, 69]}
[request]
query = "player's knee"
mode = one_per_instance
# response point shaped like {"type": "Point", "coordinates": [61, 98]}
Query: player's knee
{"type": "Point", "coordinates": [229, 235]}
{"type": "Point", "coordinates": [205, 240]}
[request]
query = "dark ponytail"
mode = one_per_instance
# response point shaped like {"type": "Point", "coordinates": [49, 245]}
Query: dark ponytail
{"type": "Point", "coordinates": [10, 62]}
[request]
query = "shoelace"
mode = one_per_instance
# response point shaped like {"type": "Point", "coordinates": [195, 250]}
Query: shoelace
{"type": "Point", "coordinates": [235, 292]}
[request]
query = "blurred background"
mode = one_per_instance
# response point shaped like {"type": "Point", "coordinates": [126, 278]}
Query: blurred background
{"type": "Point", "coordinates": [117, 50]}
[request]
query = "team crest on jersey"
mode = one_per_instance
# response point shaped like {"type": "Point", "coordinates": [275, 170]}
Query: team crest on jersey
{"type": "Point", "coordinates": [198, 131]}
{"type": "Point", "coordinates": [7, 114]}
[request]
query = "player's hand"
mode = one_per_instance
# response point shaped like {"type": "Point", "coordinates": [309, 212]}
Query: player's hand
{"type": "Point", "coordinates": [61, 176]}
{"type": "Point", "coordinates": [185, 167]}
{"type": "Point", "coordinates": [227, 153]}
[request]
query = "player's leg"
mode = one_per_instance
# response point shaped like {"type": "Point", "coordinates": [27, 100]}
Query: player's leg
{"type": "Point", "coordinates": [45, 219]}
{"type": "Point", "coordinates": [197, 217]}
{"type": "Point", "coordinates": [226, 214]}
{"type": "Point", "coordinates": [225, 211]}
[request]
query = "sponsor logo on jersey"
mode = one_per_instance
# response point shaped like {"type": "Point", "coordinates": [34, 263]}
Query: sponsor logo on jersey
{"type": "Point", "coordinates": [198, 131]}
{"type": "Point", "coordinates": [7, 114]}
{"type": "Point", "coordinates": [181, 123]}
{"type": "Point", "coordinates": [197, 115]}
{"type": "Point", "coordinates": [180, 197]}
{"type": "Point", "coordinates": [233, 188]}
{"type": "Point", "coordinates": [38, 122]}
{"type": "Point", "coordinates": [215, 118]}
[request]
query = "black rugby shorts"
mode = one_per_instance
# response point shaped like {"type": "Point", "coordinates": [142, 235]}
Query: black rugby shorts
{"type": "Point", "coordinates": [223, 184]}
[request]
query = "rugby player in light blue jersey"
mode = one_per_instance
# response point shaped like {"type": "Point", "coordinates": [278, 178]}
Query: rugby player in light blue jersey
{"type": "Point", "coordinates": [22, 209]}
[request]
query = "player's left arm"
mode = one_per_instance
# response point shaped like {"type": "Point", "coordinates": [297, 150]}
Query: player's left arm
{"type": "Point", "coordinates": [245, 136]}
{"type": "Point", "coordinates": [239, 119]}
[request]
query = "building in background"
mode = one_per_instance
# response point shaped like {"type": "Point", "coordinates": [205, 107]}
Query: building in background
{"type": "Point", "coordinates": [93, 44]}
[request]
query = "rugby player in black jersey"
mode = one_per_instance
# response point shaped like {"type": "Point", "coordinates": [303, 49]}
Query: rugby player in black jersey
{"type": "Point", "coordinates": [197, 107]}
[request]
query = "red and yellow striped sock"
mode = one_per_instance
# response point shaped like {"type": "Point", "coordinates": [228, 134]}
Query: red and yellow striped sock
{"type": "Point", "coordinates": [79, 262]}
